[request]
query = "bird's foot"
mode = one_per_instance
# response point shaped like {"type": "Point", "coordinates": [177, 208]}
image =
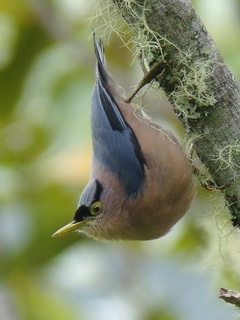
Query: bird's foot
{"type": "Point", "coordinates": [209, 185]}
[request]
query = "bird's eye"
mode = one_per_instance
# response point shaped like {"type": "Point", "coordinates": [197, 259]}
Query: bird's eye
{"type": "Point", "coordinates": [96, 208]}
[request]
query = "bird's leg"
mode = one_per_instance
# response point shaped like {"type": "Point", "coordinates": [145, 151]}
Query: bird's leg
{"type": "Point", "coordinates": [149, 75]}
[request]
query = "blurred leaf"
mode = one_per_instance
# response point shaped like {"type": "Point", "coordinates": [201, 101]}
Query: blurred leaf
{"type": "Point", "coordinates": [193, 238]}
{"type": "Point", "coordinates": [160, 314]}
{"type": "Point", "coordinates": [30, 40]}
{"type": "Point", "coordinates": [36, 302]}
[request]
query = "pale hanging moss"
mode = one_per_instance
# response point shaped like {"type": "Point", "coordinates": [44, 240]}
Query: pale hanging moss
{"type": "Point", "coordinates": [220, 215]}
{"type": "Point", "coordinates": [106, 19]}
{"type": "Point", "coordinates": [228, 157]}
{"type": "Point", "coordinates": [106, 16]}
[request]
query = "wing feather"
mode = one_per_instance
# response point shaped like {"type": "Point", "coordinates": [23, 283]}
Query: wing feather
{"type": "Point", "coordinates": [114, 143]}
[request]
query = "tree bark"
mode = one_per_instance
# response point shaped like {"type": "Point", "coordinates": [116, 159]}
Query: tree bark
{"type": "Point", "coordinates": [203, 92]}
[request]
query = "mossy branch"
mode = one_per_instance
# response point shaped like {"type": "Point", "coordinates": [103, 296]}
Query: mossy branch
{"type": "Point", "coordinates": [203, 92]}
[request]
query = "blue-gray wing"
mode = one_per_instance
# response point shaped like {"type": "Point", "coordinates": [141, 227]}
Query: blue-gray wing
{"type": "Point", "coordinates": [114, 143]}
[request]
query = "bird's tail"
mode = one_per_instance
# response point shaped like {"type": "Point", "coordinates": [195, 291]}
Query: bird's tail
{"type": "Point", "coordinates": [100, 56]}
{"type": "Point", "coordinates": [103, 76]}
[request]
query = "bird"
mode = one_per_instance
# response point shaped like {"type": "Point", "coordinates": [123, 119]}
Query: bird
{"type": "Point", "coordinates": [141, 181]}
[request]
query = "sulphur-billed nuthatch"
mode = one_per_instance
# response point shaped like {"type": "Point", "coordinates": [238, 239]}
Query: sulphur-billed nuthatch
{"type": "Point", "coordinates": [141, 181]}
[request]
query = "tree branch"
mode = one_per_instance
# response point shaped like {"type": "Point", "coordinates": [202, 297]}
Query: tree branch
{"type": "Point", "coordinates": [230, 296]}
{"type": "Point", "coordinates": [203, 92]}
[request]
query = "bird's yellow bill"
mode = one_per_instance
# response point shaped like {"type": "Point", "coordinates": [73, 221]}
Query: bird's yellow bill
{"type": "Point", "coordinates": [72, 226]}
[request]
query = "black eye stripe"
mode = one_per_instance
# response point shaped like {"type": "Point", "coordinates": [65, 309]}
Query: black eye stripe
{"type": "Point", "coordinates": [81, 214]}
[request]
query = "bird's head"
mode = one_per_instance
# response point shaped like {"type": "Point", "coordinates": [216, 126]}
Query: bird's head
{"type": "Point", "coordinates": [90, 209]}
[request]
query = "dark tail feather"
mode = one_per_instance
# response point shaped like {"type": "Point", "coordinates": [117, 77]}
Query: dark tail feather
{"type": "Point", "coordinates": [100, 55]}
{"type": "Point", "coordinates": [103, 76]}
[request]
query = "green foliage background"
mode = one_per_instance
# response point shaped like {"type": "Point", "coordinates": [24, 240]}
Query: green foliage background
{"type": "Point", "coordinates": [47, 74]}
